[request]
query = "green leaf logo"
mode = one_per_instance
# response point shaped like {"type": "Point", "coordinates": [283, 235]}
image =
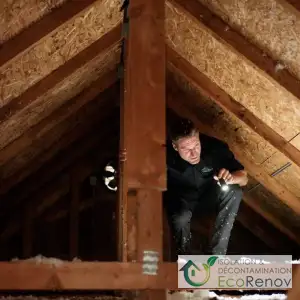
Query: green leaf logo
{"type": "Point", "coordinates": [211, 261]}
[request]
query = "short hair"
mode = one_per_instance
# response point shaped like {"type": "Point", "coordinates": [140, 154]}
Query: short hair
{"type": "Point", "coordinates": [181, 128]}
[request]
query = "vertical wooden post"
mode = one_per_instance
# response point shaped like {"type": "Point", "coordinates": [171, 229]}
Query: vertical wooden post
{"type": "Point", "coordinates": [28, 226]}
{"type": "Point", "coordinates": [74, 214]}
{"type": "Point", "coordinates": [142, 143]}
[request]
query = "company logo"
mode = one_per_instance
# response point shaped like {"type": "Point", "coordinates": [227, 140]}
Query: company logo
{"type": "Point", "coordinates": [189, 271]}
{"type": "Point", "coordinates": [235, 272]}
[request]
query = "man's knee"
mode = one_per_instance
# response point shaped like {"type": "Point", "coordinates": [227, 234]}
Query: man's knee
{"type": "Point", "coordinates": [237, 192]}
{"type": "Point", "coordinates": [182, 219]}
{"type": "Point", "coordinates": [233, 196]}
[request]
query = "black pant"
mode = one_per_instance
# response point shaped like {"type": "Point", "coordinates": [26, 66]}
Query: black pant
{"type": "Point", "coordinates": [224, 204]}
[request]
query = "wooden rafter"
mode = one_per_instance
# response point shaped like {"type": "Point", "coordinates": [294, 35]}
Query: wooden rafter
{"type": "Point", "coordinates": [254, 204]}
{"type": "Point", "coordinates": [40, 29]}
{"type": "Point", "coordinates": [33, 93]}
{"type": "Point", "coordinates": [193, 75]}
{"type": "Point", "coordinates": [176, 103]}
{"type": "Point", "coordinates": [220, 97]}
{"type": "Point", "coordinates": [295, 3]}
{"type": "Point", "coordinates": [264, 229]}
{"type": "Point", "coordinates": [202, 14]}
{"type": "Point", "coordinates": [55, 120]}
{"type": "Point", "coordinates": [83, 121]}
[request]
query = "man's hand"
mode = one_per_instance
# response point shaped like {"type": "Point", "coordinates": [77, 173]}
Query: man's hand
{"type": "Point", "coordinates": [238, 177]}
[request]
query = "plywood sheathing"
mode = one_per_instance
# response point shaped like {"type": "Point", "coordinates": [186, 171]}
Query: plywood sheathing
{"type": "Point", "coordinates": [19, 14]}
{"type": "Point", "coordinates": [12, 128]}
{"type": "Point", "coordinates": [273, 25]}
{"type": "Point", "coordinates": [55, 50]}
{"type": "Point", "coordinates": [235, 132]}
{"type": "Point", "coordinates": [237, 76]}
{"type": "Point", "coordinates": [289, 178]}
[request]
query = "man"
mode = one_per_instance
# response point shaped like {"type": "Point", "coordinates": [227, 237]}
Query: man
{"type": "Point", "coordinates": [195, 164]}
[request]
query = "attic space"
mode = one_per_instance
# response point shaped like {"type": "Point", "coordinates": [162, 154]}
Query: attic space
{"type": "Point", "coordinates": [83, 125]}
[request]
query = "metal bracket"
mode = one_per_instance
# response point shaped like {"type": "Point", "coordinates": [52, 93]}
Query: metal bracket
{"type": "Point", "coordinates": [150, 262]}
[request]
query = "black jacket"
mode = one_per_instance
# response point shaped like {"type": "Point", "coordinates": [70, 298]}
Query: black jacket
{"type": "Point", "coordinates": [189, 181]}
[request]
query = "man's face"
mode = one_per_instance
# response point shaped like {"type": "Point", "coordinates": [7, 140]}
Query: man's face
{"type": "Point", "coordinates": [189, 148]}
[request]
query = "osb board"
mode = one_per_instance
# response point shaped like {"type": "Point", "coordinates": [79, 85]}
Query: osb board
{"type": "Point", "coordinates": [65, 90]}
{"type": "Point", "coordinates": [290, 177]}
{"type": "Point", "coordinates": [232, 130]}
{"type": "Point", "coordinates": [233, 73]}
{"type": "Point", "coordinates": [57, 48]}
{"type": "Point", "coordinates": [75, 125]}
{"type": "Point", "coordinates": [18, 14]}
{"type": "Point", "coordinates": [271, 24]}
{"type": "Point", "coordinates": [279, 210]}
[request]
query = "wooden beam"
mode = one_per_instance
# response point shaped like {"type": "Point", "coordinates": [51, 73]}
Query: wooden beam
{"type": "Point", "coordinates": [61, 118]}
{"type": "Point", "coordinates": [37, 90]}
{"type": "Point", "coordinates": [276, 239]}
{"type": "Point", "coordinates": [141, 143]}
{"type": "Point", "coordinates": [176, 103]}
{"type": "Point", "coordinates": [208, 88]}
{"type": "Point", "coordinates": [257, 56]}
{"type": "Point", "coordinates": [144, 102]}
{"type": "Point", "coordinates": [254, 204]}
{"type": "Point", "coordinates": [294, 3]}
{"type": "Point", "coordinates": [84, 276]}
{"type": "Point", "coordinates": [143, 166]}
{"type": "Point", "coordinates": [40, 29]}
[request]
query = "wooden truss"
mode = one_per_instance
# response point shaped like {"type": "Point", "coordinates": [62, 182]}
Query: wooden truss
{"type": "Point", "coordinates": [142, 147]}
{"type": "Point", "coordinates": [142, 167]}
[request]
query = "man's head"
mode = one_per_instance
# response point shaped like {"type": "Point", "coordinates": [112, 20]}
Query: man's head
{"type": "Point", "coordinates": [185, 140]}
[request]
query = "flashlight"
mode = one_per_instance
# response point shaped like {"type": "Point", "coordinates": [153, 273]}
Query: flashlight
{"type": "Point", "coordinates": [224, 186]}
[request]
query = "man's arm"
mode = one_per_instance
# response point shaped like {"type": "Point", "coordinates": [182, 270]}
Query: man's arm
{"type": "Point", "coordinates": [232, 171]}
{"type": "Point", "coordinates": [239, 177]}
